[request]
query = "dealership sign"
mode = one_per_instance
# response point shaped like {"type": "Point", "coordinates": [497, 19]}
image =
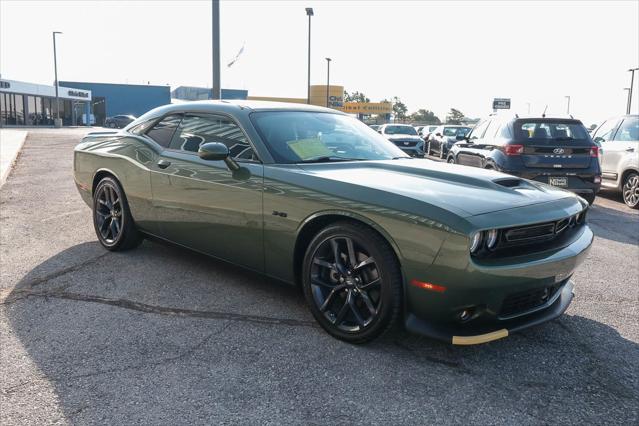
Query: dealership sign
{"type": "Point", "coordinates": [501, 103]}
{"type": "Point", "coordinates": [367, 107]}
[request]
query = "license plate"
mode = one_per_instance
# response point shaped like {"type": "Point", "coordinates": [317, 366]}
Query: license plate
{"type": "Point", "coordinates": [558, 181]}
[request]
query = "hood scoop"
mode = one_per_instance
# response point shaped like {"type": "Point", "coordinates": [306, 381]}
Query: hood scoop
{"type": "Point", "coordinates": [511, 182]}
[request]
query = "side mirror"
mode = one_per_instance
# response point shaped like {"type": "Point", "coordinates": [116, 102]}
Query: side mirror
{"type": "Point", "coordinates": [215, 151]}
{"type": "Point", "coordinates": [439, 135]}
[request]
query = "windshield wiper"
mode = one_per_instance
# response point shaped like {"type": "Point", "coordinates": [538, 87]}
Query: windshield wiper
{"type": "Point", "coordinates": [328, 159]}
{"type": "Point", "coordinates": [565, 138]}
{"type": "Point", "coordinates": [402, 158]}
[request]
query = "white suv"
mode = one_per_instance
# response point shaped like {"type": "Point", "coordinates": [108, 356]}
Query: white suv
{"type": "Point", "coordinates": [619, 141]}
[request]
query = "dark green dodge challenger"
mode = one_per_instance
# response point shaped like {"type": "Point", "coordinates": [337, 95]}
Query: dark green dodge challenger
{"type": "Point", "coordinates": [313, 197]}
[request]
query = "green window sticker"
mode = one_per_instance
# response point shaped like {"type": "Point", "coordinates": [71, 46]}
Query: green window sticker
{"type": "Point", "coordinates": [309, 148]}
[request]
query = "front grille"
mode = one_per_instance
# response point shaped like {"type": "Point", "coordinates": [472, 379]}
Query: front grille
{"type": "Point", "coordinates": [518, 303]}
{"type": "Point", "coordinates": [527, 239]}
{"type": "Point", "coordinates": [530, 233]}
{"type": "Point", "coordinates": [405, 144]}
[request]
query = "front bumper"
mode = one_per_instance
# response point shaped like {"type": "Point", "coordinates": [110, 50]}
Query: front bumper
{"type": "Point", "coordinates": [487, 289]}
{"type": "Point", "coordinates": [413, 151]}
{"type": "Point", "coordinates": [473, 335]}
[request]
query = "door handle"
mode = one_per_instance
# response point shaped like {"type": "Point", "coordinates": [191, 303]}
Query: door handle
{"type": "Point", "coordinates": [163, 164]}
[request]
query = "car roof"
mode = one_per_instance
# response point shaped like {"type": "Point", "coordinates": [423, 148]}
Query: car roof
{"type": "Point", "coordinates": [240, 105]}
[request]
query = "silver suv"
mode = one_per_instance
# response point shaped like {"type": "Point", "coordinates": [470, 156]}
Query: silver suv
{"type": "Point", "coordinates": [619, 141]}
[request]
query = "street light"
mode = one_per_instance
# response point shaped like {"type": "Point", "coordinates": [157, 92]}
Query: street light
{"type": "Point", "coordinates": [632, 78]}
{"type": "Point", "coordinates": [55, 68]}
{"type": "Point", "coordinates": [216, 89]}
{"type": "Point", "coordinates": [568, 108]}
{"type": "Point", "coordinates": [328, 77]}
{"type": "Point", "coordinates": [309, 13]}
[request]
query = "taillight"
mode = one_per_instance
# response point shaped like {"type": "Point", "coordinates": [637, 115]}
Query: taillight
{"type": "Point", "coordinates": [594, 151]}
{"type": "Point", "coordinates": [514, 149]}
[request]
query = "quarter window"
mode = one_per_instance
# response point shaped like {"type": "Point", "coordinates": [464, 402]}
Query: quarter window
{"type": "Point", "coordinates": [478, 131]}
{"type": "Point", "coordinates": [196, 130]}
{"type": "Point", "coordinates": [162, 132]}
{"type": "Point", "coordinates": [605, 131]}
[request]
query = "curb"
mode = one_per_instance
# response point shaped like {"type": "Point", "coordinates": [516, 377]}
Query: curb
{"type": "Point", "coordinates": [4, 174]}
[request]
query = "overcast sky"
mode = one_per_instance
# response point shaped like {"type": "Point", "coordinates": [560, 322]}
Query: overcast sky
{"type": "Point", "coordinates": [432, 55]}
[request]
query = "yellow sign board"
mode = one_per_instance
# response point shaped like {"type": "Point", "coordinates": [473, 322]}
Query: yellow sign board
{"type": "Point", "coordinates": [367, 107]}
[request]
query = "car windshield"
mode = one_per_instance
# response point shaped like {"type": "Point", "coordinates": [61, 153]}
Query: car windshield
{"type": "Point", "coordinates": [540, 131]}
{"type": "Point", "coordinates": [454, 131]}
{"type": "Point", "coordinates": [400, 130]}
{"type": "Point", "coordinates": [302, 136]}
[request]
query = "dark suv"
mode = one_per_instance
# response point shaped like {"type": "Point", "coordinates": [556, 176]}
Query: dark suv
{"type": "Point", "coordinates": [556, 151]}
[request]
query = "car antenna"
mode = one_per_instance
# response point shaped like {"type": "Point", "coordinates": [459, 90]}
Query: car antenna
{"type": "Point", "coordinates": [543, 114]}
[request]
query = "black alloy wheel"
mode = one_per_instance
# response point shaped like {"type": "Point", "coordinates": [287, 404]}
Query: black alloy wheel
{"type": "Point", "coordinates": [112, 220]}
{"type": "Point", "coordinates": [352, 282]}
{"type": "Point", "coordinates": [630, 190]}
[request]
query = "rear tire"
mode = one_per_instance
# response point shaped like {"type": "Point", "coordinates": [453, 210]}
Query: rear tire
{"type": "Point", "coordinates": [352, 282]}
{"type": "Point", "coordinates": [630, 190]}
{"type": "Point", "coordinates": [112, 218]}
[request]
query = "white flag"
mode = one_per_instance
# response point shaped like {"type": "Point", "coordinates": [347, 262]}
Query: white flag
{"type": "Point", "coordinates": [236, 57]}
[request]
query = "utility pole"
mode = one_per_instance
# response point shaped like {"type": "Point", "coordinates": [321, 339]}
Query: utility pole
{"type": "Point", "coordinates": [309, 12]}
{"type": "Point", "coordinates": [55, 68]}
{"type": "Point", "coordinates": [215, 30]}
{"type": "Point", "coordinates": [328, 78]}
{"type": "Point", "coordinates": [568, 107]}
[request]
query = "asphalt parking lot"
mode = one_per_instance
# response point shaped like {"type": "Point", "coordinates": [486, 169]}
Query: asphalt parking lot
{"type": "Point", "coordinates": [161, 335]}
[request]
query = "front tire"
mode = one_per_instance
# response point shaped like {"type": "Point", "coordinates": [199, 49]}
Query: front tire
{"type": "Point", "coordinates": [451, 159]}
{"type": "Point", "coordinates": [112, 219]}
{"type": "Point", "coordinates": [352, 282]}
{"type": "Point", "coordinates": [630, 190]}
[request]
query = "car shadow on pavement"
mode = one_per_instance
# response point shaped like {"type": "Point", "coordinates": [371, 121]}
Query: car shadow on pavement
{"type": "Point", "coordinates": [617, 225]}
{"type": "Point", "coordinates": [143, 335]}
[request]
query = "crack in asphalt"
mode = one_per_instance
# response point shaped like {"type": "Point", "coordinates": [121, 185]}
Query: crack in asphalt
{"type": "Point", "coordinates": [160, 310]}
{"type": "Point", "coordinates": [60, 272]}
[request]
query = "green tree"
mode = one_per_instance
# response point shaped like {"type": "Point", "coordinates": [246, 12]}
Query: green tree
{"type": "Point", "coordinates": [455, 116]}
{"type": "Point", "coordinates": [355, 97]}
{"type": "Point", "coordinates": [425, 116]}
{"type": "Point", "coordinates": [399, 108]}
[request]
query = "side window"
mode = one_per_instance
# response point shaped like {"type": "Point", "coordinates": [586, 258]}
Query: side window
{"type": "Point", "coordinates": [196, 130]}
{"type": "Point", "coordinates": [629, 130]}
{"type": "Point", "coordinates": [605, 131]}
{"type": "Point", "coordinates": [162, 132]}
{"type": "Point", "coordinates": [479, 130]}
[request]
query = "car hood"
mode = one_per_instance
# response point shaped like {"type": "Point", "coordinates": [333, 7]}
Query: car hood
{"type": "Point", "coordinates": [402, 138]}
{"type": "Point", "coordinates": [465, 191]}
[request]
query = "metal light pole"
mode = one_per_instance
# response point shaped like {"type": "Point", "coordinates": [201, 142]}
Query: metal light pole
{"type": "Point", "coordinates": [215, 33]}
{"type": "Point", "coordinates": [309, 13]}
{"type": "Point", "coordinates": [629, 90]}
{"type": "Point", "coordinates": [632, 79]}
{"type": "Point", "coordinates": [55, 68]}
{"type": "Point", "coordinates": [328, 78]}
{"type": "Point", "coordinates": [568, 107]}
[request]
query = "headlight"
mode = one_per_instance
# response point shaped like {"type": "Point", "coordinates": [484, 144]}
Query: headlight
{"type": "Point", "coordinates": [475, 241]}
{"type": "Point", "coordinates": [491, 239]}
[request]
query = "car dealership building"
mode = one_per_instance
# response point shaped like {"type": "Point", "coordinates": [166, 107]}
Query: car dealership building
{"type": "Point", "coordinates": [29, 104]}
